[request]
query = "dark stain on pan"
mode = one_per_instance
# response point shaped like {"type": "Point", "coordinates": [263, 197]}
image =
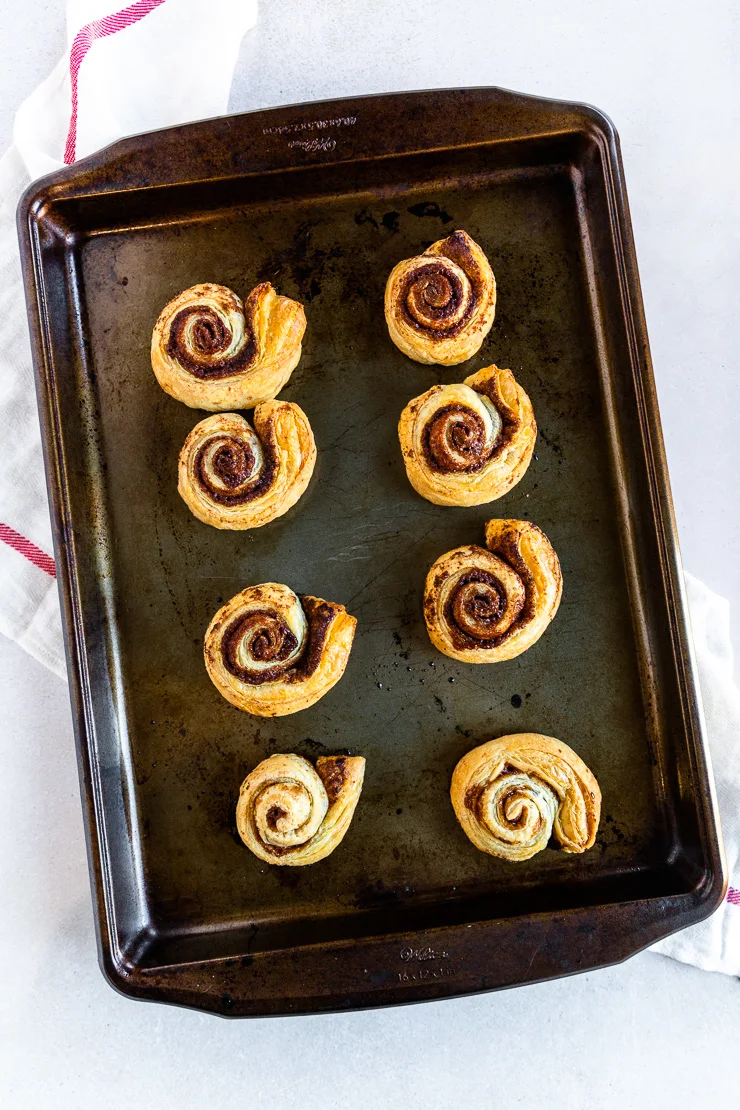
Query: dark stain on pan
{"type": "Point", "coordinates": [302, 262]}
{"type": "Point", "coordinates": [431, 208]}
{"type": "Point", "coordinates": [377, 894]}
{"type": "Point", "coordinates": [365, 217]}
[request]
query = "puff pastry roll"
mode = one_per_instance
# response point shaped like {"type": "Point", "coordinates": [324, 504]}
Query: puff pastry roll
{"type": "Point", "coordinates": [271, 653]}
{"type": "Point", "coordinates": [486, 604]}
{"type": "Point", "coordinates": [213, 352]}
{"type": "Point", "coordinates": [232, 475]}
{"type": "Point", "coordinates": [511, 795]}
{"type": "Point", "coordinates": [439, 306]}
{"type": "Point", "coordinates": [290, 814]}
{"type": "Point", "coordinates": [468, 443]}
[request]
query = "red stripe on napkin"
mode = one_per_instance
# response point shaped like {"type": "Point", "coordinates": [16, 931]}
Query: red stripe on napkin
{"type": "Point", "coordinates": [33, 553]}
{"type": "Point", "coordinates": [83, 40]}
{"type": "Point", "coordinates": [733, 896]}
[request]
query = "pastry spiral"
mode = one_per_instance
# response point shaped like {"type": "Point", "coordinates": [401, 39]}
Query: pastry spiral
{"type": "Point", "coordinates": [483, 606]}
{"type": "Point", "coordinates": [290, 814]}
{"type": "Point", "coordinates": [439, 306]}
{"type": "Point", "coordinates": [231, 475]}
{"type": "Point", "coordinates": [213, 352]}
{"type": "Point", "coordinates": [468, 443]}
{"type": "Point", "coordinates": [511, 795]}
{"type": "Point", "coordinates": [271, 653]}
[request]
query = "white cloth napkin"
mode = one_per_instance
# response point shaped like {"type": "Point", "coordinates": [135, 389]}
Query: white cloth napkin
{"type": "Point", "coordinates": [714, 944]}
{"type": "Point", "coordinates": [129, 68]}
{"type": "Point", "coordinates": [152, 64]}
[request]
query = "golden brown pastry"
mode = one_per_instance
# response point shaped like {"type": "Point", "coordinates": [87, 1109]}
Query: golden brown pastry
{"type": "Point", "coordinates": [483, 606]}
{"type": "Point", "coordinates": [290, 814]}
{"type": "Point", "coordinates": [213, 352]}
{"type": "Point", "coordinates": [468, 443]}
{"type": "Point", "coordinates": [271, 653]}
{"type": "Point", "coordinates": [511, 795]}
{"type": "Point", "coordinates": [231, 475]}
{"type": "Point", "coordinates": [439, 306]}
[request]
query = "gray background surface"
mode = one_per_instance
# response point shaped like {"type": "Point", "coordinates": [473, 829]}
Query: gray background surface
{"type": "Point", "coordinates": [648, 1033]}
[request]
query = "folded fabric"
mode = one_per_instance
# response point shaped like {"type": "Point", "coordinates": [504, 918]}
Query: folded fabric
{"type": "Point", "coordinates": [714, 944]}
{"type": "Point", "coordinates": [150, 64]}
{"type": "Point", "coordinates": [29, 607]}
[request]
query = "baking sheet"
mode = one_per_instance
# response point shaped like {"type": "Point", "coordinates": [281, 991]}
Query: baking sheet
{"type": "Point", "coordinates": [182, 904]}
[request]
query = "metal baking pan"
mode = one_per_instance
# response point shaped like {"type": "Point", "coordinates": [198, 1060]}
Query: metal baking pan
{"type": "Point", "coordinates": [322, 200]}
